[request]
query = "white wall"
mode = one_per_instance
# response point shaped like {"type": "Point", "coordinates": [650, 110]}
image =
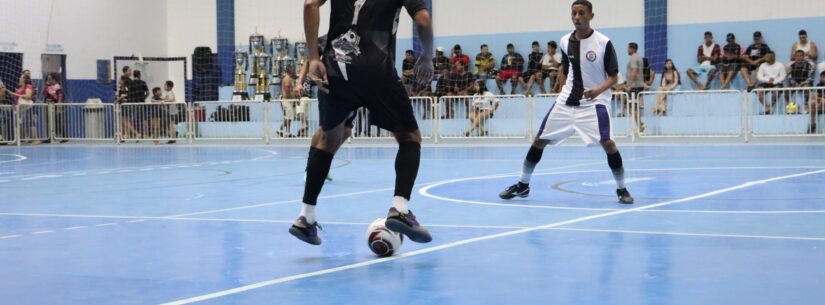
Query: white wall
{"type": "Point", "coordinates": [190, 24]}
{"type": "Point", "coordinates": [697, 11]}
{"type": "Point", "coordinates": [474, 17]}
{"type": "Point", "coordinates": [87, 30]}
{"type": "Point", "coordinates": [273, 18]}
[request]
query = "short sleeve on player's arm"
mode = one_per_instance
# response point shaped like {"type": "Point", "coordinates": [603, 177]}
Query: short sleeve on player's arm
{"type": "Point", "coordinates": [611, 63]}
{"type": "Point", "coordinates": [565, 63]}
{"type": "Point", "coordinates": [413, 6]}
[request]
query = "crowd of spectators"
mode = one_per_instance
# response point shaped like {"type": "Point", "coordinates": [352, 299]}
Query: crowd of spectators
{"type": "Point", "coordinates": [757, 63]}
{"type": "Point", "coordinates": [140, 120]}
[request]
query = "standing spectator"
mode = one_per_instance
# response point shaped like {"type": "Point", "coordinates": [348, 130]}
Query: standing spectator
{"type": "Point", "coordinates": [481, 109]}
{"type": "Point", "coordinates": [754, 56]}
{"type": "Point", "coordinates": [407, 73]}
{"type": "Point", "coordinates": [670, 80]}
{"type": "Point", "coordinates": [511, 66]}
{"type": "Point", "coordinates": [731, 59]}
{"type": "Point", "coordinates": [707, 57]}
{"type": "Point", "coordinates": [156, 113]}
{"type": "Point", "coordinates": [122, 97]}
{"type": "Point", "coordinates": [458, 56]}
{"type": "Point", "coordinates": [461, 84]}
{"type": "Point", "coordinates": [817, 103]}
{"type": "Point", "coordinates": [24, 99]}
{"type": "Point", "coordinates": [5, 117]}
{"type": "Point", "coordinates": [485, 63]}
{"type": "Point", "coordinates": [534, 72]}
{"type": "Point", "coordinates": [550, 63]}
{"type": "Point", "coordinates": [53, 95]}
{"type": "Point", "coordinates": [440, 62]}
{"type": "Point", "coordinates": [174, 110]}
{"type": "Point", "coordinates": [138, 93]}
{"type": "Point", "coordinates": [807, 46]}
{"type": "Point", "coordinates": [771, 75]}
{"type": "Point", "coordinates": [635, 81]}
{"type": "Point", "coordinates": [289, 101]}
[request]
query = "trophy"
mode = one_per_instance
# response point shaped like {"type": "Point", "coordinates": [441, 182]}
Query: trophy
{"type": "Point", "coordinates": [241, 65]}
{"type": "Point", "coordinates": [257, 44]}
{"type": "Point", "coordinates": [280, 49]}
{"type": "Point", "coordinates": [261, 64]}
{"type": "Point", "coordinates": [301, 53]}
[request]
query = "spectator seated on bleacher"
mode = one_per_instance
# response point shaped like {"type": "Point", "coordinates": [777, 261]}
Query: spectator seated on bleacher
{"type": "Point", "coordinates": [771, 75]}
{"type": "Point", "coordinates": [731, 61]}
{"type": "Point", "coordinates": [817, 103]}
{"type": "Point", "coordinates": [707, 56]}
{"type": "Point", "coordinates": [485, 63]}
{"type": "Point", "coordinates": [754, 56]}
{"type": "Point", "coordinates": [512, 64]}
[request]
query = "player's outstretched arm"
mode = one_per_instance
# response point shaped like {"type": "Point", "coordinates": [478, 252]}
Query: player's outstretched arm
{"type": "Point", "coordinates": [424, 66]}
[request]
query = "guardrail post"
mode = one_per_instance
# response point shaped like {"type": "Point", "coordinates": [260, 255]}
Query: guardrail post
{"type": "Point", "coordinates": [266, 107]}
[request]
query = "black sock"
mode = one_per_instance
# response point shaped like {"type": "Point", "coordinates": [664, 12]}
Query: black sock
{"type": "Point", "coordinates": [312, 150]}
{"type": "Point", "coordinates": [317, 170]}
{"type": "Point", "coordinates": [406, 168]}
{"type": "Point", "coordinates": [616, 166]}
{"type": "Point", "coordinates": [530, 162]}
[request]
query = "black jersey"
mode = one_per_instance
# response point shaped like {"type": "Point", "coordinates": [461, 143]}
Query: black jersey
{"type": "Point", "coordinates": [362, 37]}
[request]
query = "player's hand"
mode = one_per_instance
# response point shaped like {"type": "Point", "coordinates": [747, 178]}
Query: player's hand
{"type": "Point", "coordinates": [318, 74]}
{"type": "Point", "coordinates": [423, 71]}
{"type": "Point", "coordinates": [591, 94]}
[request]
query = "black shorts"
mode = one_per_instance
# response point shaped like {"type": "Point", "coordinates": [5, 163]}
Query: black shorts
{"type": "Point", "coordinates": [768, 86]}
{"type": "Point", "coordinates": [729, 67]}
{"type": "Point", "coordinates": [387, 100]}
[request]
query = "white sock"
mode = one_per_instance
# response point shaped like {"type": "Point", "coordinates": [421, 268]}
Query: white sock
{"type": "Point", "coordinates": [308, 211]}
{"type": "Point", "coordinates": [618, 174]}
{"type": "Point", "coordinates": [400, 204]}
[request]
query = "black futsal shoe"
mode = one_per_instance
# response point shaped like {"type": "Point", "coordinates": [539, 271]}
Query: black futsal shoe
{"type": "Point", "coordinates": [306, 232]}
{"type": "Point", "coordinates": [624, 196]}
{"type": "Point", "coordinates": [519, 189]}
{"type": "Point", "coordinates": [407, 224]}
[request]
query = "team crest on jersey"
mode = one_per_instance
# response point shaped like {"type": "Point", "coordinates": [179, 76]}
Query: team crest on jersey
{"type": "Point", "coordinates": [591, 56]}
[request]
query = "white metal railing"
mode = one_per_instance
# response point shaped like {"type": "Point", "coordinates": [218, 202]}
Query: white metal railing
{"type": "Point", "coordinates": [8, 124]}
{"type": "Point", "coordinates": [83, 121]}
{"type": "Point", "coordinates": [149, 121]}
{"type": "Point", "coordinates": [292, 119]}
{"type": "Point", "coordinates": [786, 111]}
{"type": "Point", "coordinates": [33, 122]}
{"type": "Point", "coordinates": [505, 116]}
{"type": "Point", "coordinates": [229, 120]}
{"type": "Point", "coordinates": [728, 113]}
{"type": "Point", "coordinates": [705, 113]}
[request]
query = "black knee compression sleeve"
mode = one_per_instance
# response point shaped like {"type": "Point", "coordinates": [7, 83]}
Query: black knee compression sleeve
{"type": "Point", "coordinates": [317, 170]}
{"type": "Point", "coordinates": [534, 154]}
{"type": "Point", "coordinates": [406, 168]}
{"type": "Point", "coordinates": [614, 160]}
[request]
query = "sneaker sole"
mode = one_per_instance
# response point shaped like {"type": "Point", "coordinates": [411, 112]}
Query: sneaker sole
{"type": "Point", "coordinates": [300, 235]}
{"type": "Point", "coordinates": [419, 236]}
{"type": "Point", "coordinates": [626, 202]}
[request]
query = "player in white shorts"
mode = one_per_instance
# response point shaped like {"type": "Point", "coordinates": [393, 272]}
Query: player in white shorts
{"type": "Point", "coordinates": [590, 66]}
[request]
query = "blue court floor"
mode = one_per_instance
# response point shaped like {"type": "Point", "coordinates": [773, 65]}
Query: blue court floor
{"type": "Point", "coordinates": [741, 224]}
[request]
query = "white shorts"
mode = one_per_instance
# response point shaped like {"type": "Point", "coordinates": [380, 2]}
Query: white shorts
{"type": "Point", "coordinates": [289, 109]}
{"type": "Point", "coordinates": [591, 122]}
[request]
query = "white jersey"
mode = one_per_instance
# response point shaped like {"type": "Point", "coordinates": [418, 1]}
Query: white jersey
{"type": "Point", "coordinates": [487, 101]}
{"type": "Point", "coordinates": [587, 64]}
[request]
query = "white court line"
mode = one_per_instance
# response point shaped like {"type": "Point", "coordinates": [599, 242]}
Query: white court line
{"type": "Point", "coordinates": [9, 236]}
{"type": "Point", "coordinates": [693, 234]}
{"type": "Point", "coordinates": [75, 228]}
{"type": "Point", "coordinates": [105, 224]}
{"type": "Point", "coordinates": [425, 191]}
{"type": "Point", "coordinates": [136, 220]}
{"type": "Point", "coordinates": [42, 232]}
{"type": "Point", "coordinates": [19, 158]}
{"type": "Point", "coordinates": [477, 239]}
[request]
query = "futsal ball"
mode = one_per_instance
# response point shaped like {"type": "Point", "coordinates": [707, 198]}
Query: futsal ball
{"type": "Point", "coordinates": [383, 241]}
{"type": "Point", "coordinates": [791, 108]}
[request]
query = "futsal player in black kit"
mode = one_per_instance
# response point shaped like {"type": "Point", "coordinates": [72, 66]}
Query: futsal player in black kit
{"type": "Point", "coordinates": [358, 70]}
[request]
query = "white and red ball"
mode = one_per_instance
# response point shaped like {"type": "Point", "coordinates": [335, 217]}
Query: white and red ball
{"type": "Point", "coordinates": [383, 241]}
